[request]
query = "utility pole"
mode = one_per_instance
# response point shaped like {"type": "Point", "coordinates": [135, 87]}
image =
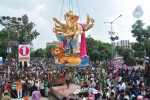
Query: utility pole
{"type": "Point", "coordinates": [112, 38]}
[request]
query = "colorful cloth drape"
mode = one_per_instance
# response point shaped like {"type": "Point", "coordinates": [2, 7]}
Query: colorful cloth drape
{"type": "Point", "coordinates": [83, 52]}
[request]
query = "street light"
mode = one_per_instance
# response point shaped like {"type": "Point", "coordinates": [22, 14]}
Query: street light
{"type": "Point", "coordinates": [12, 24]}
{"type": "Point", "coordinates": [111, 33]}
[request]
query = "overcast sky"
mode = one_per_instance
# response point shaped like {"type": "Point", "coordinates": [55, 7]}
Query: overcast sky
{"type": "Point", "coordinates": [41, 12]}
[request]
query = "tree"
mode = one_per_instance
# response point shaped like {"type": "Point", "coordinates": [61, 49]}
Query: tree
{"type": "Point", "coordinates": [32, 54]}
{"type": "Point", "coordinates": [142, 36]}
{"type": "Point", "coordinates": [40, 52]}
{"type": "Point", "coordinates": [127, 54]}
{"type": "Point", "coordinates": [98, 50]}
{"type": "Point", "coordinates": [3, 43]}
{"type": "Point", "coordinates": [48, 53]}
{"type": "Point", "coordinates": [27, 34]}
{"type": "Point", "coordinates": [22, 34]}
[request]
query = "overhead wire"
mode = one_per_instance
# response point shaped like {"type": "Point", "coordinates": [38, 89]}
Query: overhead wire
{"type": "Point", "coordinates": [69, 5]}
{"type": "Point", "coordinates": [78, 10]}
{"type": "Point", "coordinates": [71, 8]}
{"type": "Point", "coordinates": [61, 9]}
{"type": "Point", "coordinates": [72, 5]}
{"type": "Point", "coordinates": [122, 26]}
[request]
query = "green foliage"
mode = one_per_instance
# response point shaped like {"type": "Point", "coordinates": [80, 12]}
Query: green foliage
{"type": "Point", "coordinates": [142, 35]}
{"type": "Point", "coordinates": [39, 52]}
{"type": "Point", "coordinates": [140, 48]}
{"type": "Point", "coordinates": [16, 33]}
{"type": "Point", "coordinates": [32, 55]}
{"type": "Point", "coordinates": [98, 50]}
{"type": "Point", "coordinates": [48, 53]}
{"type": "Point", "coordinates": [3, 43]}
{"type": "Point", "coordinates": [102, 76]}
{"type": "Point", "coordinates": [27, 33]}
{"type": "Point", "coordinates": [127, 55]}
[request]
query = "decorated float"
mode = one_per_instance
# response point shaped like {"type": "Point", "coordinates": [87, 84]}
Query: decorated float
{"type": "Point", "coordinates": [69, 51]}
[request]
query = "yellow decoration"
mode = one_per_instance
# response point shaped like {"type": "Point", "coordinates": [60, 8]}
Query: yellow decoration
{"type": "Point", "coordinates": [70, 60]}
{"type": "Point", "coordinates": [71, 29]}
{"type": "Point", "coordinates": [69, 54]}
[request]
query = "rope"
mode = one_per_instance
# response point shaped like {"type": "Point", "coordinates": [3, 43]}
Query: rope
{"type": "Point", "coordinates": [78, 10]}
{"type": "Point", "coordinates": [72, 5]}
{"type": "Point", "coordinates": [69, 5]}
{"type": "Point", "coordinates": [61, 10]}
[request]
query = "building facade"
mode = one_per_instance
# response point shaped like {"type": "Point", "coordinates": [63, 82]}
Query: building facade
{"type": "Point", "coordinates": [123, 43]}
{"type": "Point", "coordinates": [54, 43]}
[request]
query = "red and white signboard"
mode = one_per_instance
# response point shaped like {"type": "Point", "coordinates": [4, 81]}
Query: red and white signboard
{"type": "Point", "coordinates": [24, 52]}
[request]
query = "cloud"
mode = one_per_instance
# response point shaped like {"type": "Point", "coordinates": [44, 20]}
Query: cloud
{"type": "Point", "coordinates": [41, 12]}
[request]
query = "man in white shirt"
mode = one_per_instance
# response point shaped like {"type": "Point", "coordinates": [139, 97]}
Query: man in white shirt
{"type": "Point", "coordinates": [122, 85]}
{"type": "Point", "coordinates": [42, 88]}
{"type": "Point", "coordinates": [140, 97]}
{"type": "Point", "coordinates": [119, 79]}
{"type": "Point", "coordinates": [107, 93]}
{"type": "Point", "coordinates": [37, 84]}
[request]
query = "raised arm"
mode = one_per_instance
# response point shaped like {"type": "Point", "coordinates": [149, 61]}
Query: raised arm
{"type": "Point", "coordinates": [88, 24]}
{"type": "Point", "coordinates": [88, 20]}
{"type": "Point", "coordinates": [58, 22]}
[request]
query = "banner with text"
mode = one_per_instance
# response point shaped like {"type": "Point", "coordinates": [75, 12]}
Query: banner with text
{"type": "Point", "coordinates": [24, 52]}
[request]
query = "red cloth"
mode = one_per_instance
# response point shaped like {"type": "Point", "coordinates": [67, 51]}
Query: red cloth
{"type": "Point", "coordinates": [91, 97]}
{"type": "Point", "coordinates": [139, 99]}
{"type": "Point", "coordinates": [83, 52]}
{"type": "Point", "coordinates": [26, 98]}
{"type": "Point", "coordinates": [64, 44]}
{"type": "Point", "coordinates": [97, 87]}
{"type": "Point", "coordinates": [117, 74]}
{"type": "Point", "coordinates": [6, 86]}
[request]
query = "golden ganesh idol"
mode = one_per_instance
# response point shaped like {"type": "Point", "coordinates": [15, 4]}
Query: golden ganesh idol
{"type": "Point", "coordinates": [68, 51]}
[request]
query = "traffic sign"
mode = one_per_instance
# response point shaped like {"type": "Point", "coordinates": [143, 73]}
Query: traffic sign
{"type": "Point", "coordinates": [24, 52]}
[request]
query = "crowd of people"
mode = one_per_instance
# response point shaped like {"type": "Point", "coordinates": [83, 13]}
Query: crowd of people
{"type": "Point", "coordinates": [116, 84]}
{"type": "Point", "coordinates": [120, 84]}
{"type": "Point", "coordinates": [24, 81]}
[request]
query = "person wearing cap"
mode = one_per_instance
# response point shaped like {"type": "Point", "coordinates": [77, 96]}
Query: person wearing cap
{"type": "Point", "coordinates": [6, 96]}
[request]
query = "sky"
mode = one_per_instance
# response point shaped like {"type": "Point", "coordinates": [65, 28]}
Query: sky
{"type": "Point", "coordinates": [41, 12]}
